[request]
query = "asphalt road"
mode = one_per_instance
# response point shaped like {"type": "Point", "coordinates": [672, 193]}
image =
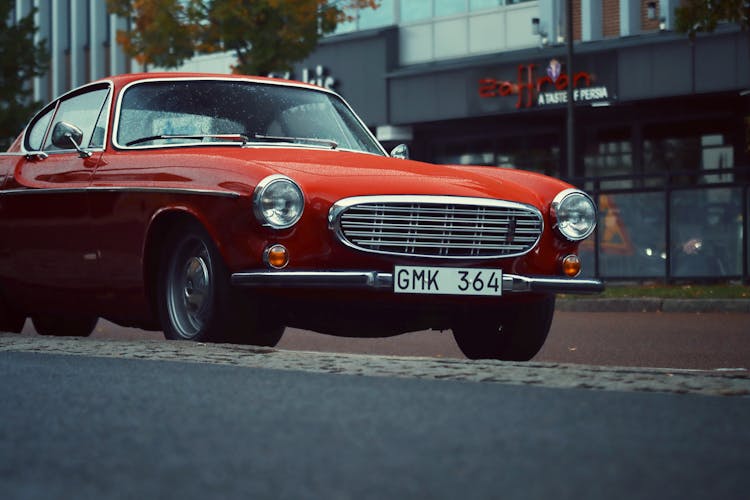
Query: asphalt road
{"type": "Point", "coordinates": [125, 414]}
{"type": "Point", "coordinates": [669, 340]}
{"type": "Point", "coordinates": [92, 427]}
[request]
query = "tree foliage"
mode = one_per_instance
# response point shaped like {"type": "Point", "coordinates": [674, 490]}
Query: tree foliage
{"type": "Point", "coordinates": [21, 60]}
{"type": "Point", "coordinates": [694, 16]}
{"type": "Point", "coordinates": [265, 35]}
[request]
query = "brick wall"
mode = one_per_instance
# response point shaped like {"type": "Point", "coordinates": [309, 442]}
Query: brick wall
{"type": "Point", "coordinates": [646, 23]}
{"type": "Point", "coordinates": [611, 18]}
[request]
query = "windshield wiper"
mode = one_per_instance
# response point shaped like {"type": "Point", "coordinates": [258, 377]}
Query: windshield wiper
{"type": "Point", "coordinates": [314, 140]}
{"type": "Point", "coordinates": [225, 137]}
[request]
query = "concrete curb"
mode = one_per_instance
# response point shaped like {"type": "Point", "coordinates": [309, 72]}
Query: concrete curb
{"type": "Point", "coordinates": [654, 305]}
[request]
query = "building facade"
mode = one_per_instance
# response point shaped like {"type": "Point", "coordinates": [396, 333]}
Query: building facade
{"type": "Point", "coordinates": [80, 37]}
{"type": "Point", "coordinates": [662, 124]}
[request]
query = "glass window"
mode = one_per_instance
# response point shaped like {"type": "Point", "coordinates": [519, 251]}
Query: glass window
{"type": "Point", "coordinates": [538, 153]}
{"type": "Point", "coordinates": [415, 10]}
{"type": "Point", "coordinates": [688, 150]}
{"type": "Point", "coordinates": [97, 138]}
{"type": "Point", "coordinates": [631, 232]}
{"type": "Point", "coordinates": [81, 110]}
{"type": "Point", "coordinates": [479, 152]}
{"type": "Point", "coordinates": [346, 26]}
{"type": "Point", "coordinates": [484, 4]}
{"type": "Point", "coordinates": [266, 114]}
{"type": "Point", "coordinates": [376, 18]}
{"type": "Point", "coordinates": [449, 7]}
{"type": "Point", "coordinates": [716, 155]}
{"type": "Point", "coordinates": [665, 154]}
{"type": "Point", "coordinates": [38, 130]}
{"type": "Point", "coordinates": [607, 153]}
{"type": "Point", "coordinates": [706, 232]}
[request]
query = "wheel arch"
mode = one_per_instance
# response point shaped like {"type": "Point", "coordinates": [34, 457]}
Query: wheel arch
{"type": "Point", "coordinates": [156, 237]}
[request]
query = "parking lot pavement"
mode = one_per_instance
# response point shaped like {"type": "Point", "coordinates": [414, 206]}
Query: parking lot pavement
{"type": "Point", "coordinates": [531, 373]}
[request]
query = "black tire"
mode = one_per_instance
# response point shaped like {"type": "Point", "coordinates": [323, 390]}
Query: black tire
{"type": "Point", "coordinates": [516, 333]}
{"type": "Point", "coordinates": [195, 299]}
{"type": "Point", "coordinates": [263, 331]}
{"type": "Point", "coordinates": [10, 320]}
{"type": "Point", "coordinates": [64, 326]}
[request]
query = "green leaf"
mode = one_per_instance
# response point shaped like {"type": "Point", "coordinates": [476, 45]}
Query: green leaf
{"type": "Point", "coordinates": [22, 60]}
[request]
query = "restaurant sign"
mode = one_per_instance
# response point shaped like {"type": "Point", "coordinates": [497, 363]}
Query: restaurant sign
{"type": "Point", "coordinates": [546, 89]}
{"type": "Point", "coordinates": [318, 76]}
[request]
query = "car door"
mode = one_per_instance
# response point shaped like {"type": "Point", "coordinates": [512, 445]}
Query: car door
{"type": "Point", "coordinates": [45, 203]}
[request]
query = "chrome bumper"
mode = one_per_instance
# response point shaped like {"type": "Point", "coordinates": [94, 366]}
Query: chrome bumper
{"type": "Point", "coordinates": [374, 280]}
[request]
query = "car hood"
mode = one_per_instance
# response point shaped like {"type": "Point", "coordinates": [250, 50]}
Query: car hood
{"type": "Point", "coordinates": [333, 175]}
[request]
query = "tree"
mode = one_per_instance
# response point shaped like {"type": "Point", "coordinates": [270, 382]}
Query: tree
{"type": "Point", "coordinates": [265, 35]}
{"type": "Point", "coordinates": [694, 16]}
{"type": "Point", "coordinates": [21, 60]}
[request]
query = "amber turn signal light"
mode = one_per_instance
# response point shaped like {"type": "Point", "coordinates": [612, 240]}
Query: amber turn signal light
{"type": "Point", "coordinates": [276, 256]}
{"type": "Point", "coordinates": [571, 266]}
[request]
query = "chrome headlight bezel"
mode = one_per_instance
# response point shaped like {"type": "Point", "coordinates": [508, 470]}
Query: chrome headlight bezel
{"type": "Point", "coordinates": [273, 190]}
{"type": "Point", "coordinates": [570, 222]}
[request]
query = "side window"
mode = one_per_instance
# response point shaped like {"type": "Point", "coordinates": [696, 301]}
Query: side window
{"type": "Point", "coordinates": [81, 110]}
{"type": "Point", "coordinates": [38, 130]}
{"type": "Point", "coordinates": [97, 138]}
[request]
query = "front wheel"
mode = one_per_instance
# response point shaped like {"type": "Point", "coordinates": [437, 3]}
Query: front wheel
{"type": "Point", "coordinates": [515, 333]}
{"type": "Point", "coordinates": [64, 326]}
{"type": "Point", "coordinates": [195, 299]}
{"type": "Point", "coordinates": [10, 321]}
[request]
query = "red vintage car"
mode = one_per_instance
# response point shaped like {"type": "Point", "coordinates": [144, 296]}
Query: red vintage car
{"type": "Point", "coordinates": [225, 208]}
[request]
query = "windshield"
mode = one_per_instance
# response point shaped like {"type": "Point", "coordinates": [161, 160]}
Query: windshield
{"type": "Point", "coordinates": [189, 112]}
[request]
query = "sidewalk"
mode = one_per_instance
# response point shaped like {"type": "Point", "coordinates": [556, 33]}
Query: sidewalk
{"type": "Point", "coordinates": [646, 304]}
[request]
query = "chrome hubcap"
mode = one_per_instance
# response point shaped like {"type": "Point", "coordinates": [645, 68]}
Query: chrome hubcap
{"type": "Point", "coordinates": [196, 286]}
{"type": "Point", "coordinates": [190, 289]}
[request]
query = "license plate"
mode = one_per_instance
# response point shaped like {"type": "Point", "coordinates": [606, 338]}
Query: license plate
{"type": "Point", "coordinates": [447, 280]}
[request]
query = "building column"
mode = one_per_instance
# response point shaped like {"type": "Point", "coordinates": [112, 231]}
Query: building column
{"type": "Point", "coordinates": [79, 39]}
{"type": "Point", "coordinates": [23, 7]}
{"type": "Point", "coordinates": [666, 12]}
{"type": "Point", "coordinates": [552, 19]}
{"type": "Point", "coordinates": [59, 48]}
{"type": "Point", "coordinates": [591, 20]}
{"type": "Point", "coordinates": [98, 38]}
{"type": "Point", "coordinates": [44, 31]}
{"type": "Point", "coordinates": [117, 58]}
{"type": "Point", "coordinates": [630, 17]}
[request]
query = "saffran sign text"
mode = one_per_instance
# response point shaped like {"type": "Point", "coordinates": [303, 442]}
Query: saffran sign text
{"type": "Point", "coordinates": [548, 89]}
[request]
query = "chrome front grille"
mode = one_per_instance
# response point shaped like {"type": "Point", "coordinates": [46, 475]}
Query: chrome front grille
{"type": "Point", "coordinates": [437, 226]}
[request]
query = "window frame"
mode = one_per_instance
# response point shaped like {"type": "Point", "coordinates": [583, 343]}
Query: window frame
{"type": "Point", "coordinates": [105, 109]}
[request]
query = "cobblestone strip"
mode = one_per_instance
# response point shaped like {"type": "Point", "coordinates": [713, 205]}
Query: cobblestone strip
{"type": "Point", "coordinates": [531, 373]}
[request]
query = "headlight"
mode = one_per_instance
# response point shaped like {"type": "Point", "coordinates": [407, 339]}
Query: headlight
{"type": "Point", "coordinates": [278, 202]}
{"type": "Point", "coordinates": [574, 214]}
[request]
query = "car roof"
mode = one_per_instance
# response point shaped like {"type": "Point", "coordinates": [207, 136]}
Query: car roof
{"type": "Point", "coordinates": [125, 79]}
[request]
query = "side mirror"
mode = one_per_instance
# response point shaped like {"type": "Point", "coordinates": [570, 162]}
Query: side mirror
{"type": "Point", "coordinates": [65, 135]}
{"type": "Point", "coordinates": [401, 151]}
